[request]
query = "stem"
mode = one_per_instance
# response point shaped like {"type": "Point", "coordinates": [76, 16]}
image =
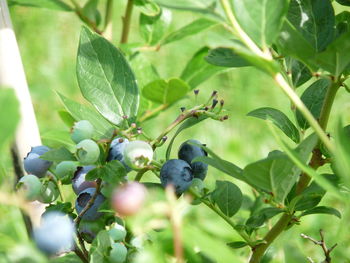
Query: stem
{"type": "Point", "coordinates": [149, 114]}
{"type": "Point", "coordinates": [126, 22]}
{"type": "Point", "coordinates": [108, 26]}
{"type": "Point", "coordinates": [80, 254]}
{"type": "Point", "coordinates": [140, 174]}
{"type": "Point", "coordinates": [78, 10]}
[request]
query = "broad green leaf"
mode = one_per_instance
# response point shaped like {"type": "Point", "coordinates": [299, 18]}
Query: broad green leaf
{"type": "Point", "coordinates": [144, 69]}
{"type": "Point", "coordinates": [9, 115]}
{"type": "Point", "coordinates": [56, 139]}
{"type": "Point", "coordinates": [58, 155]}
{"type": "Point", "coordinates": [82, 112]}
{"type": "Point", "coordinates": [344, 2]}
{"type": "Point", "coordinates": [228, 197]}
{"type": "Point", "coordinates": [153, 28]}
{"type": "Point", "coordinates": [147, 7]}
{"type": "Point", "coordinates": [275, 175]}
{"type": "Point", "coordinates": [279, 119]}
{"type": "Point", "coordinates": [342, 23]}
{"type": "Point", "coordinates": [105, 78]}
{"type": "Point", "coordinates": [66, 117]}
{"type": "Point", "coordinates": [198, 70]}
{"type": "Point", "coordinates": [260, 217]}
{"type": "Point", "coordinates": [315, 20]}
{"type": "Point", "coordinates": [100, 247]}
{"type": "Point", "coordinates": [313, 98]}
{"type": "Point", "coordinates": [165, 92]}
{"type": "Point", "coordinates": [300, 72]}
{"type": "Point", "coordinates": [261, 20]}
{"type": "Point", "coordinates": [225, 57]}
{"type": "Point", "coordinates": [62, 207]}
{"type": "Point", "coordinates": [322, 210]}
{"type": "Point", "coordinates": [90, 10]}
{"type": "Point", "coordinates": [49, 4]}
{"type": "Point", "coordinates": [237, 244]}
{"type": "Point", "coordinates": [188, 30]}
{"type": "Point", "coordinates": [113, 172]}
{"type": "Point", "coordinates": [185, 125]}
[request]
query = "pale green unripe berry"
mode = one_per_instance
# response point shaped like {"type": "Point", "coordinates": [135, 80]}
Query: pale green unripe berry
{"type": "Point", "coordinates": [64, 168]}
{"type": "Point", "coordinates": [30, 185]}
{"type": "Point", "coordinates": [48, 192]}
{"type": "Point", "coordinates": [138, 154]}
{"type": "Point", "coordinates": [118, 253]}
{"type": "Point", "coordinates": [82, 130]}
{"type": "Point", "coordinates": [87, 152]}
{"type": "Point", "coordinates": [117, 233]}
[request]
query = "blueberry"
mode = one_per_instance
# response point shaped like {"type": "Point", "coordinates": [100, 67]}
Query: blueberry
{"type": "Point", "coordinates": [128, 199]}
{"type": "Point", "coordinates": [55, 233]}
{"type": "Point", "coordinates": [138, 154]}
{"type": "Point", "coordinates": [65, 168]}
{"type": "Point", "coordinates": [117, 232]}
{"type": "Point", "coordinates": [188, 152]}
{"type": "Point", "coordinates": [89, 229]}
{"type": "Point", "coordinates": [79, 183]}
{"type": "Point", "coordinates": [48, 192]}
{"type": "Point", "coordinates": [177, 173]}
{"type": "Point", "coordinates": [33, 164]}
{"type": "Point", "coordinates": [82, 200]}
{"type": "Point", "coordinates": [116, 151]}
{"type": "Point", "coordinates": [82, 130]}
{"type": "Point", "coordinates": [30, 185]}
{"type": "Point", "coordinates": [87, 152]}
{"type": "Point", "coordinates": [118, 253]}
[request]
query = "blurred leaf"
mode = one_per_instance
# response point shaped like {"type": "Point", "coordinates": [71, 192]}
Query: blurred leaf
{"type": "Point", "coordinates": [313, 98]}
{"type": "Point", "coordinates": [300, 72]}
{"type": "Point", "coordinates": [50, 4]}
{"type": "Point", "coordinates": [237, 244]}
{"type": "Point", "coordinates": [275, 175]}
{"type": "Point", "coordinates": [99, 247]}
{"type": "Point", "coordinates": [322, 210]}
{"type": "Point", "coordinates": [56, 139]}
{"type": "Point", "coordinates": [188, 30]}
{"type": "Point", "coordinates": [225, 57]}
{"type": "Point", "coordinates": [261, 20]}
{"type": "Point", "coordinates": [65, 208]}
{"type": "Point", "coordinates": [342, 23]}
{"type": "Point", "coordinates": [58, 155]}
{"type": "Point", "coordinates": [342, 155]}
{"type": "Point", "coordinates": [185, 125]}
{"type": "Point", "coordinates": [165, 92]}
{"type": "Point", "coordinates": [228, 197]}
{"type": "Point", "coordinates": [147, 7]}
{"type": "Point", "coordinates": [153, 28]}
{"type": "Point", "coordinates": [105, 78]}
{"type": "Point", "coordinates": [90, 11]}
{"type": "Point", "coordinates": [198, 70]}
{"type": "Point", "coordinates": [68, 258]}
{"type": "Point", "coordinates": [261, 216]}
{"type": "Point", "coordinates": [279, 119]}
{"type": "Point", "coordinates": [344, 2]}
{"type": "Point", "coordinates": [9, 115]}
{"type": "Point", "coordinates": [66, 117]}
{"type": "Point", "coordinates": [79, 112]}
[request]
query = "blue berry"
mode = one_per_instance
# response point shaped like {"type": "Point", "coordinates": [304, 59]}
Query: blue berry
{"type": "Point", "coordinates": [33, 164]}
{"type": "Point", "coordinates": [188, 152]}
{"type": "Point", "coordinates": [177, 173]}
{"type": "Point", "coordinates": [116, 151]}
{"type": "Point", "coordinates": [82, 200]}
{"type": "Point", "coordinates": [79, 183]}
{"type": "Point", "coordinates": [55, 234]}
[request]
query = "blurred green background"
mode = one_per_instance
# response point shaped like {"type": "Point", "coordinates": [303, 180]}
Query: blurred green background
{"type": "Point", "coordinates": [48, 42]}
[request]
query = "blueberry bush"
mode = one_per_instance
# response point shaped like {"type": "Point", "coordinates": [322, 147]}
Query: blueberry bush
{"type": "Point", "coordinates": [119, 186]}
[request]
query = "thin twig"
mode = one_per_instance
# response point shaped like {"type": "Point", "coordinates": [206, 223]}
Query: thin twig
{"type": "Point", "coordinates": [126, 22]}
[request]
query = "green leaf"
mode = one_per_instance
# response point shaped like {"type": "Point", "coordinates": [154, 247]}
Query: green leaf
{"type": "Point", "coordinates": [100, 247]}
{"type": "Point", "coordinates": [322, 210]}
{"type": "Point", "coordinates": [185, 125]}
{"type": "Point", "coordinates": [198, 70]}
{"type": "Point", "coordinates": [65, 208]}
{"type": "Point", "coordinates": [344, 2]}
{"type": "Point", "coordinates": [275, 175]}
{"type": "Point", "coordinates": [313, 98]}
{"type": "Point", "coordinates": [342, 155]}
{"type": "Point", "coordinates": [237, 244]}
{"type": "Point", "coordinates": [113, 172]}
{"type": "Point", "coordinates": [102, 128]}
{"type": "Point", "coordinates": [105, 78]}
{"type": "Point", "coordinates": [153, 28]}
{"type": "Point", "coordinates": [260, 217]}
{"type": "Point", "coordinates": [225, 57]}
{"type": "Point", "coordinates": [9, 115]}
{"type": "Point", "coordinates": [58, 155]}
{"type": "Point", "coordinates": [90, 10]}
{"type": "Point", "coordinates": [342, 23]}
{"type": "Point", "coordinates": [228, 197]}
{"type": "Point", "coordinates": [66, 117]}
{"type": "Point", "coordinates": [188, 30]}
{"type": "Point", "coordinates": [56, 139]}
{"type": "Point", "coordinates": [261, 20]}
{"type": "Point", "coordinates": [279, 119]}
{"type": "Point", "coordinates": [49, 4]}
{"type": "Point", "coordinates": [300, 72]}
{"type": "Point", "coordinates": [165, 92]}
{"type": "Point", "coordinates": [68, 258]}
{"type": "Point", "coordinates": [147, 7]}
